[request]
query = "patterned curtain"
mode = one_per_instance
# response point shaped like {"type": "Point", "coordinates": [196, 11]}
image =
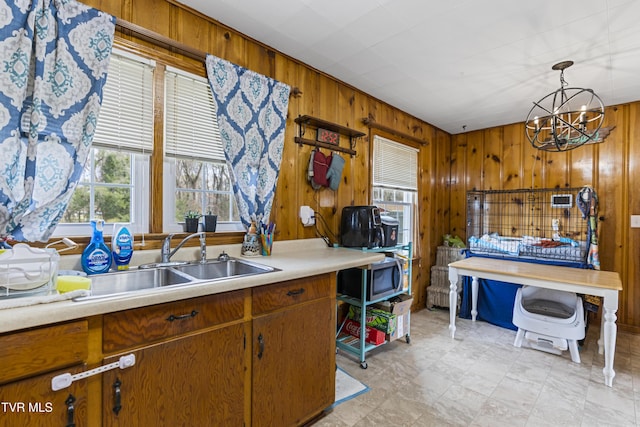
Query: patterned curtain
{"type": "Point", "coordinates": [252, 112]}
{"type": "Point", "coordinates": [54, 56]}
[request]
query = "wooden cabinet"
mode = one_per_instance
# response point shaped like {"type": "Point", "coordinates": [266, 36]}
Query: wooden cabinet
{"type": "Point", "coordinates": [146, 325]}
{"type": "Point", "coordinates": [29, 360]}
{"type": "Point", "coordinates": [31, 402]}
{"type": "Point", "coordinates": [293, 349]}
{"type": "Point", "coordinates": [262, 356]}
{"type": "Point", "coordinates": [196, 380]}
{"type": "Point", "coordinates": [27, 353]}
{"type": "Point", "coordinates": [190, 363]}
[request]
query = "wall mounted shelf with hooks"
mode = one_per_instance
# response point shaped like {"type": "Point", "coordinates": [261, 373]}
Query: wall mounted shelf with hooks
{"type": "Point", "coordinates": [305, 122]}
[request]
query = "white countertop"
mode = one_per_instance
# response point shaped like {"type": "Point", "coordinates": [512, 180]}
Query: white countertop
{"type": "Point", "coordinates": [294, 258]}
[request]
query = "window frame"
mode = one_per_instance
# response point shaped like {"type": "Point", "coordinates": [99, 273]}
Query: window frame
{"type": "Point", "coordinates": [407, 188]}
{"type": "Point", "coordinates": [141, 179]}
{"type": "Point", "coordinates": [213, 155]}
{"type": "Point", "coordinates": [139, 155]}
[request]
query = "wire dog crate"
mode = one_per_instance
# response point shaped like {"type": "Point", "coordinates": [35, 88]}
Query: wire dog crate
{"type": "Point", "coordinates": [529, 223]}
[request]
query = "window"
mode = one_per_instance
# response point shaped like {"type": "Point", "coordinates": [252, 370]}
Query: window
{"type": "Point", "coordinates": [105, 189]}
{"type": "Point", "coordinates": [201, 187]}
{"type": "Point", "coordinates": [114, 185]}
{"type": "Point", "coordinates": [196, 174]}
{"type": "Point", "coordinates": [395, 184]}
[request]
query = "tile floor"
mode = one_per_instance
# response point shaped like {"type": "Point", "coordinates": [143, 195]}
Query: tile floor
{"type": "Point", "coordinates": [481, 379]}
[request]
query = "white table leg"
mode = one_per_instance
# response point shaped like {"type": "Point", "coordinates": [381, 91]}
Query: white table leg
{"type": "Point", "coordinates": [610, 334]}
{"type": "Point", "coordinates": [453, 300]}
{"type": "Point", "coordinates": [474, 298]}
{"type": "Point", "coordinates": [601, 338]}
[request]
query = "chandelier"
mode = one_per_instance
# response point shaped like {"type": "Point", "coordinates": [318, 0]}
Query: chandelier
{"type": "Point", "coordinates": [567, 118]}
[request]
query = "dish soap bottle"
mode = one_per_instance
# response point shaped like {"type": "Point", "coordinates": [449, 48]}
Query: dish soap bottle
{"type": "Point", "coordinates": [121, 247]}
{"type": "Point", "coordinates": [96, 257]}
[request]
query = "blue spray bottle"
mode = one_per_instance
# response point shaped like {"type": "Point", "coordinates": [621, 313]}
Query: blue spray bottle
{"type": "Point", "coordinates": [96, 257]}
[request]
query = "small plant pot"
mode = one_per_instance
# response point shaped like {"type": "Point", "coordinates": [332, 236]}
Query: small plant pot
{"type": "Point", "coordinates": [191, 224]}
{"type": "Point", "coordinates": [210, 223]}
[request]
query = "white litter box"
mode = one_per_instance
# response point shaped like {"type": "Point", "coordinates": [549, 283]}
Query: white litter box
{"type": "Point", "coordinates": [549, 320]}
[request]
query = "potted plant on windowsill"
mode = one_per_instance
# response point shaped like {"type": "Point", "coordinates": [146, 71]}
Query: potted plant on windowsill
{"type": "Point", "coordinates": [210, 222]}
{"type": "Point", "coordinates": [192, 221]}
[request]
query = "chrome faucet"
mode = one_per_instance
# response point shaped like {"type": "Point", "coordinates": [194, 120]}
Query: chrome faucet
{"type": "Point", "coordinates": [167, 252]}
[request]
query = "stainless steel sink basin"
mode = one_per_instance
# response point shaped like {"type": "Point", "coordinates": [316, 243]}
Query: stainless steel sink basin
{"type": "Point", "coordinates": [123, 282]}
{"type": "Point", "coordinates": [214, 270]}
{"type": "Point", "coordinates": [135, 280]}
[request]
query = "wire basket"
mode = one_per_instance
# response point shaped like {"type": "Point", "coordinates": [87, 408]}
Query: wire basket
{"type": "Point", "coordinates": [26, 271]}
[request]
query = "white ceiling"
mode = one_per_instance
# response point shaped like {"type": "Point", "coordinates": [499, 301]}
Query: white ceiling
{"type": "Point", "coordinates": [452, 63]}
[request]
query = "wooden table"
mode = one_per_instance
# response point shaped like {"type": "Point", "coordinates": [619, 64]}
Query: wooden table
{"type": "Point", "coordinates": [605, 284]}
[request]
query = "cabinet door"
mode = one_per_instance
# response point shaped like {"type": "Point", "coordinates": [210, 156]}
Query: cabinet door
{"type": "Point", "coordinates": [31, 402]}
{"type": "Point", "coordinates": [196, 380]}
{"type": "Point", "coordinates": [293, 364]}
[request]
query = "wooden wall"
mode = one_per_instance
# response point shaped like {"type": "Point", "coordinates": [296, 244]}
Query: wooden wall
{"type": "Point", "coordinates": [322, 97]}
{"type": "Point", "coordinates": [496, 158]}
{"type": "Point", "coordinates": [502, 158]}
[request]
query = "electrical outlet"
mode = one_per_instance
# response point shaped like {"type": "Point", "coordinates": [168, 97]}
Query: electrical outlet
{"type": "Point", "coordinates": [635, 221]}
{"type": "Point", "coordinates": [307, 216]}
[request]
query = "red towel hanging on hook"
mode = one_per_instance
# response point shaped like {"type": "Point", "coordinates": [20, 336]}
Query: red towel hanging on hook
{"type": "Point", "coordinates": [320, 168]}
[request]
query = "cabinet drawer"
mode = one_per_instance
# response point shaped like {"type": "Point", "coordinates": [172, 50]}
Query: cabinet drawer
{"type": "Point", "coordinates": [272, 297]}
{"type": "Point", "coordinates": [35, 351]}
{"type": "Point", "coordinates": [130, 328]}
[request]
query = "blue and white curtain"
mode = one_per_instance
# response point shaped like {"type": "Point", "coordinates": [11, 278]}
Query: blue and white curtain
{"type": "Point", "coordinates": [252, 112]}
{"type": "Point", "coordinates": [54, 56]}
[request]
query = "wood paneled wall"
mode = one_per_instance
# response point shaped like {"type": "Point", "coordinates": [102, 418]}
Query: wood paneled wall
{"type": "Point", "coordinates": [496, 158]}
{"type": "Point", "coordinates": [502, 158]}
{"type": "Point", "coordinates": [323, 97]}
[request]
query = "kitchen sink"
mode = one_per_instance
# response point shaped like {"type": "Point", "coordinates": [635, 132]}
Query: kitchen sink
{"type": "Point", "coordinates": [178, 274]}
{"type": "Point", "coordinates": [135, 280]}
{"type": "Point", "coordinates": [214, 270]}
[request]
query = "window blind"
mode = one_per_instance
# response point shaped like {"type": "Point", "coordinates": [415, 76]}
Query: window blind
{"type": "Point", "coordinates": [394, 165]}
{"type": "Point", "coordinates": [126, 114]}
{"type": "Point", "coordinates": [191, 127]}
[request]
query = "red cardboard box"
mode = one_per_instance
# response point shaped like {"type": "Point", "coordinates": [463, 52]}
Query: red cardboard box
{"type": "Point", "coordinates": [373, 336]}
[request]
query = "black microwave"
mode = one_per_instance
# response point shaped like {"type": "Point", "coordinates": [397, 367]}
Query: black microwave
{"type": "Point", "coordinates": [381, 279]}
